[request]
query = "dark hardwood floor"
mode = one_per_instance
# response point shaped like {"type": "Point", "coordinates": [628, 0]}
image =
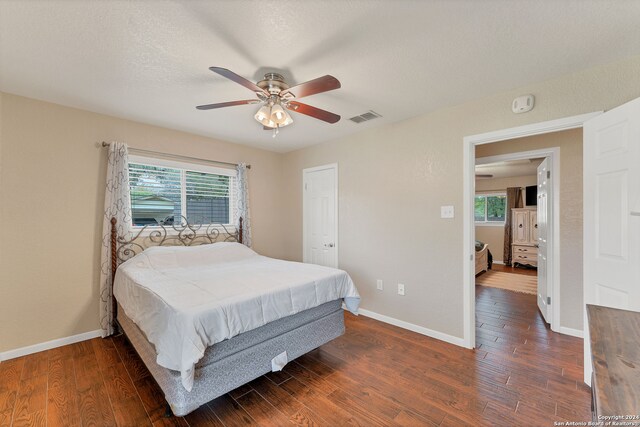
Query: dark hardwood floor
{"type": "Point", "coordinates": [375, 375]}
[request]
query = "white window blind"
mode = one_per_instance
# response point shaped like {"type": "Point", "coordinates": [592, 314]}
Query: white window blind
{"type": "Point", "coordinates": [208, 198]}
{"type": "Point", "coordinates": [156, 194]}
{"type": "Point", "coordinates": [164, 193]}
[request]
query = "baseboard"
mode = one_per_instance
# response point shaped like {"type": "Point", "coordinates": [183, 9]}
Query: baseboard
{"type": "Point", "coordinates": [573, 332]}
{"type": "Point", "coordinates": [498, 262]}
{"type": "Point", "coordinates": [18, 352]}
{"type": "Point", "coordinates": [415, 328]}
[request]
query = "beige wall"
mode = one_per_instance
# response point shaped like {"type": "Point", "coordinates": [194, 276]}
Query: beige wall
{"type": "Point", "coordinates": [51, 197]}
{"type": "Point", "coordinates": [570, 143]}
{"type": "Point", "coordinates": [393, 180]}
{"type": "Point", "coordinates": [493, 235]}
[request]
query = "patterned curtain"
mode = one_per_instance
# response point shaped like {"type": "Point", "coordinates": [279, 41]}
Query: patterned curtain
{"type": "Point", "coordinates": [117, 204]}
{"type": "Point", "coordinates": [242, 203]}
{"type": "Point", "coordinates": [514, 200]}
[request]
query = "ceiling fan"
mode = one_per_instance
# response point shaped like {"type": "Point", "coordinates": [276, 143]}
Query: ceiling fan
{"type": "Point", "coordinates": [276, 97]}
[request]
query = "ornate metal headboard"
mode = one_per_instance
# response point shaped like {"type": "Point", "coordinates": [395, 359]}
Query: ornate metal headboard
{"type": "Point", "coordinates": [182, 234]}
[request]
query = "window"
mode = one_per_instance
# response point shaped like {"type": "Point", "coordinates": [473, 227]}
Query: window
{"type": "Point", "coordinates": [490, 209]}
{"type": "Point", "coordinates": [163, 192]}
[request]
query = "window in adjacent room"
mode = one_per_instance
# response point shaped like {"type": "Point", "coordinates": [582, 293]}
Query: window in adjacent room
{"type": "Point", "coordinates": [490, 209]}
{"type": "Point", "coordinates": [165, 192]}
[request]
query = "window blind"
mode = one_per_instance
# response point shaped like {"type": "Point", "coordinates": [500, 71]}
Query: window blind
{"type": "Point", "coordinates": [163, 195]}
{"type": "Point", "coordinates": [156, 194]}
{"type": "Point", "coordinates": [208, 197]}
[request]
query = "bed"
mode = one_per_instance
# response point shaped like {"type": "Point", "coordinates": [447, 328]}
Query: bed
{"type": "Point", "coordinates": [207, 314]}
{"type": "Point", "coordinates": [483, 257]}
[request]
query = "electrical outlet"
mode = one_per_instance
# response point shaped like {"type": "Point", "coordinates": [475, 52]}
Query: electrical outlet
{"type": "Point", "coordinates": [379, 285]}
{"type": "Point", "coordinates": [400, 289]}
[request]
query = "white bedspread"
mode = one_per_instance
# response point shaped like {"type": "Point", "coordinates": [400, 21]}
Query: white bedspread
{"type": "Point", "coordinates": [187, 298]}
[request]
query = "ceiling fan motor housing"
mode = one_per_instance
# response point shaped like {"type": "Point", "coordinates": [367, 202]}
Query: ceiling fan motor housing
{"type": "Point", "coordinates": [273, 83]}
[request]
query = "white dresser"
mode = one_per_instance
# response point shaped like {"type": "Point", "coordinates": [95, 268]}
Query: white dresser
{"type": "Point", "coordinates": [524, 236]}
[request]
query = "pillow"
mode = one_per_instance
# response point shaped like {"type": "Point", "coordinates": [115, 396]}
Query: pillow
{"type": "Point", "coordinates": [168, 257]}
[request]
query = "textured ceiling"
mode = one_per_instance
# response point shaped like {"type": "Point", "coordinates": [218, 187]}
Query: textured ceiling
{"type": "Point", "coordinates": [148, 60]}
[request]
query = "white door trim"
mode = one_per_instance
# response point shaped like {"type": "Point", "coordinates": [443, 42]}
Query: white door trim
{"type": "Point", "coordinates": [469, 143]}
{"type": "Point", "coordinates": [334, 166]}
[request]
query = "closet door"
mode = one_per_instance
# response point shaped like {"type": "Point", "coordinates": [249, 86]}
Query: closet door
{"type": "Point", "coordinates": [520, 227]}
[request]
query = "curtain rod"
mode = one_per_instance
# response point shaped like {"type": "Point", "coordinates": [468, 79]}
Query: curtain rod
{"type": "Point", "coordinates": [176, 156]}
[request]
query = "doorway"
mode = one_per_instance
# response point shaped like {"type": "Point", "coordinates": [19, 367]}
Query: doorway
{"type": "Point", "coordinates": [320, 215]}
{"type": "Point", "coordinates": [513, 214]}
{"type": "Point", "coordinates": [469, 160]}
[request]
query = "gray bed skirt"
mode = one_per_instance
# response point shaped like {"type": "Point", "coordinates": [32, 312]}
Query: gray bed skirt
{"type": "Point", "coordinates": [234, 362]}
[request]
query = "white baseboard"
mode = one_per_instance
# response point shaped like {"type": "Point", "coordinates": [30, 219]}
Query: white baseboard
{"type": "Point", "coordinates": [573, 332]}
{"type": "Point", "coordinates": [495, 261]}
{"type": "Point", "coordinates": [415, 328]}
{"type": "Point", "coordinates": [18, 352]}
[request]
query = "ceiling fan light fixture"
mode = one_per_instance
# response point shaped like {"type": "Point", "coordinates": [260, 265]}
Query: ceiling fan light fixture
{"type": "Point", "coordinates": [287, 120]}
{"type": "Point", "coordinates": [278, 115]}
{"type": "Point", "coordinates": [264, 116]}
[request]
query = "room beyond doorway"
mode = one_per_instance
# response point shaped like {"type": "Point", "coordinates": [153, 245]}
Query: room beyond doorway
{"type": "Point", "coordinates": [516, 190]}
{"type": "Point", "coordinates": [567, 312]}
{"type": "Point", "coordinates": [513, 214]}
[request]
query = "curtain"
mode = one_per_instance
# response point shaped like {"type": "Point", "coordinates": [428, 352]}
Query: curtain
{"type": "Point", "coordinates": [513, 201]}
{"type": "Point", "coordinates": [242, 203]}
{"type": "Point", "coordinates": [117, 204]}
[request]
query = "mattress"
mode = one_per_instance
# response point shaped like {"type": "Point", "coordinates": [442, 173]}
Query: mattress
{"type": "Point", "coordinates": [248, 339]}
{"type": "Point", "coordinates": [186, 299]}
{"type": "Point", "coordinates": [241, 359]}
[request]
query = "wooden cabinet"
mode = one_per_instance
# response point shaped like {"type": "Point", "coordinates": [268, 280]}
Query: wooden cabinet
{"type": "Point", "coordinates": [524, 236]}
{"type": "Point", "coordinates": [615, 384]}
{"type": "Point", "coordinates": [520, 226]}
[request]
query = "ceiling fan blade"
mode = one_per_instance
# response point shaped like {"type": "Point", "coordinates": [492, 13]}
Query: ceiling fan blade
{"type": "Point", "coordinates": [314, 112]}
{"type": "Point", "coordinates": [227, 104]}
{"type": "Point", "coordinates": [238, 79]}
{"type": "Point", "coordinates": [319, 85]}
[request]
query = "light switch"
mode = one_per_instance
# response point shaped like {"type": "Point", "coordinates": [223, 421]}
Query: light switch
{"type": "Point", "coordinates": [446, 211]}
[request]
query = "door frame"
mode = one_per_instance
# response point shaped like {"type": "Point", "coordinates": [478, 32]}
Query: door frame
{"type": "Point", "coordinates": [552, 154]}
{"type": "Point", "coordinates": [305, 209]}
{"type": "Point", "coordinates": [468, 251]}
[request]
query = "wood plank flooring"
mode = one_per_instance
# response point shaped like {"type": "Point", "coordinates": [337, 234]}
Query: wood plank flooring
{"type": "Point", "coordinates": [375, 375]}
{"type": "Point", "coordinates": [527, 271]}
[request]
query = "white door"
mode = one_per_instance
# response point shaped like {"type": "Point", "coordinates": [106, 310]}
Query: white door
{"type": "Point", "coordinates": [611, 229]}
{"type": "Point", "coordinates": [320, 222]}
{"type": "Point", "coordinates": [540, 230]}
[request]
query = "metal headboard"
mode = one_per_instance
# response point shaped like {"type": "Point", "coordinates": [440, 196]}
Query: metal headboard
{"type": "Point", "coordinates": [181, 234]}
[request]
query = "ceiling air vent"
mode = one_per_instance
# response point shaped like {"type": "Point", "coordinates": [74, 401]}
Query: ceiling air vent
{"type": "Point", "coordinates": [369, 115]}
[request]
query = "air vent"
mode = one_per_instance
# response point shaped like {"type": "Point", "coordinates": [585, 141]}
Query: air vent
{"type": "Point", "coordinates": [369, 115]}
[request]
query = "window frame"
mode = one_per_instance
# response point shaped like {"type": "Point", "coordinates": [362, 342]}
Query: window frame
{"type": "Point", "coordinates": [487, 223]}
{"type": "Point", "coordinates": [184, 167]}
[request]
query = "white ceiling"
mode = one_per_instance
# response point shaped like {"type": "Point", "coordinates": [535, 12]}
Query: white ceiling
{"type": "Point", "coordinates": [148, 60]}
{"type": "Point", "coordinates": [509, 169]}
